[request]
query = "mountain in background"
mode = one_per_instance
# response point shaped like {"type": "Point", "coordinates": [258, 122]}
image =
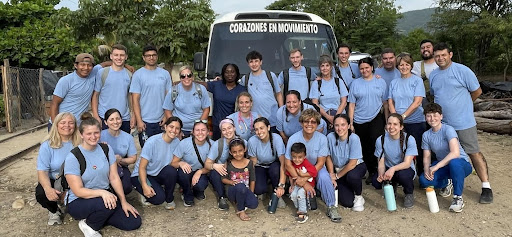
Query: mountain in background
{"type": "Point", "coordinates": [415, 19]}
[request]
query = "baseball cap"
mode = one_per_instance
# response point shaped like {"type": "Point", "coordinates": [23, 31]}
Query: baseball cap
{"type": "Point", "coordinates": [83, 57]}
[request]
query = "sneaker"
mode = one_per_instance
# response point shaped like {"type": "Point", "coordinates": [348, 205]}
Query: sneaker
{"type": "Point", "coordinates": [54, 218]}
{"type": "Point", "coordinates": [457, 204]}
{"type": "Point", "coordinates": [144, 202]}
{"type": "Point", "coordinates": [200, 196]}
{"type": "Point", "coordinates": [260, 197]}
{"type": "Point", "coordinates": [408, 200]}
{"type": "Point", "coordinates": [170, 205]}
{"type": "Point", "coordinates": [87, 230]}
{"type": "Point", "coordinates": [282, 204]}
{"type": "Point", "coordinates": [332, 213]}
{"type": "Point", "coordinates": [223, 204]}
{"type": "Point", "coordinates": [302, 218]}
{"type": "Point", "coordinates": [358, 203]}
{"type": "Point", "coordinates": [447, 191]}
{"type": "Point", "coordinates": [187, 203]}
{"type": "Point", "coordinates": [486, 196]}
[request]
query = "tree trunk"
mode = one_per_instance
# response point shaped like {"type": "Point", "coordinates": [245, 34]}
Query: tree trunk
{"type": "Point", "coordinates": [494, 114]}
{"type": "Point", "coordinates": [481, 105]}
{"type": "Point", "coordinates": [494, 126]}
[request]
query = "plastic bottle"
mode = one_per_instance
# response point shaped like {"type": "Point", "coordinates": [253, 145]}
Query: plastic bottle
{"type": "Point", "coordinates": [336, 196]}
{"type": "Point", "coordinates": [272, 205]}
{"type": "Point", "coordinates": [432, 200]}
{"type": "Point", "coordinates": [389, 194]}
{"type": "Point", "coordinates": [312, 203]}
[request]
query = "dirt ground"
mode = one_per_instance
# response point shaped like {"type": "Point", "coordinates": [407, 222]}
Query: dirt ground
{"type": "Point", "coordinates": [18, 180]}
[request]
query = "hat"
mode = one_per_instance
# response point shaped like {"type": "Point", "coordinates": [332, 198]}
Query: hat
{"type": "Point", "coordinates": [81, 58]}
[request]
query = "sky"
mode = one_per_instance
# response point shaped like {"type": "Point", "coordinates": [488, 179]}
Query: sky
{"type": "Point", "coordinates": [224, 6]}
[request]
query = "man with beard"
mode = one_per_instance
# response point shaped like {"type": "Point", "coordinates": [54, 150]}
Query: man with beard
{"type": "Point", "coordinates": [424, 67]}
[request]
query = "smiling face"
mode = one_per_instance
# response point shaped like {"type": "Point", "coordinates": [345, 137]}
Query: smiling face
{"type": "Point", "coordinates": [255, 64]}
{"type": "Point", "coordinates": [186, 78]}
{"type": "Point", "coordinates": [293, 104]}
{"type": "Point", "coordinates": [200, 132]}
{"type": "Point", "coordinates": [443, 58]}
{"type": "Point", "coordinates": [228, 130]}
{"type": "Point", "coordinates": [309, 126]}
{"type": "Point", "coordinates": [341, 127]}
{"type": "Point", "coordinates": [427, 51]}
{"type": "Point", "coordinates": [244, 104]}
{"type": "Point", "coordinates": [237, 151]}
{"type": "Point", "coordinates": [66, 126]}
{"type": "Point", "coordinates": [261, 130]}
{"type": "Point", "coordinates": [343, 55]}
{"type": "Point", "coordinates": [118, 57]}
{"type": "Point", "coordinates": [404, 67]}
{"type": "Point", "coordinates": [298, 157]}
{"type": "Point", "coordinates": [230, 74]}
{"type": "Point", "coordinates": [296, 59]}
{"type": "Point", "coordinates": [84, 68]}
{"type": "Point", "coordinates": [366, 70]}
{"type": "Point", "coordinates": [434, 119]}
{"type": "Point", "coordinates": [393, 126]}
{"type": "Point", "coordinates": [90, 135]}
{"type": "Point", "coordinates": [325, 69]}
{"type": "Point", "coordinates": [114, 121]}
{"type": "Point", "coordinates": [172, 129]}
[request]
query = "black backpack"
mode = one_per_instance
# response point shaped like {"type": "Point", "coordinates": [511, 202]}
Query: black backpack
{"type": "Point", "coordinates": [337, 70]}
{"type": "Point", "coordinates": [61, 184]}
{"type": "Point", "coordinates": [270, 79]}
{"type": "Point", "coordinates": [286, 77]}
{"type": "Point", "coordinates": [403, 151]}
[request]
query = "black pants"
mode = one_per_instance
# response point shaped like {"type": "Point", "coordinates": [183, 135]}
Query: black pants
{"type": "Point", "coordinates": [368, 133]}
{"type": "Point", "coordinates": [41, 198]}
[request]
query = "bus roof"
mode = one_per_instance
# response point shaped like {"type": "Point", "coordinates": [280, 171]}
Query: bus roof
{"type": "Point", "coordinates": [270, 15]}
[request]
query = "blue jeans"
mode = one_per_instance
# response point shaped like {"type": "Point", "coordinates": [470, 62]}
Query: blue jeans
{"type": "Point", "coordinates": [96, 215]}
{"type": "Point", "coordinates": [324, 184]}
{"type": "Point", "coordinates": [416, 130]}
{"type": "Point", "coordinates": [350, 184]}
{"type": "Point", "coordinates": [216, 181]}
{"type": "Point", "coordinates": [167, 177]}
{"type": "Point", "coordinates": [457, 170]}
{"type": "Point", "coordinates": [402, 177]}
{"type": "Point", "coordinates": [189, 191]}
{"type": "Point", "coordinates": [125, 179]}
{"type": "Point", "coordinates": [242, 196]}
{"type": "Point", "coordinates": [151, 129]}
{"type": "Point", "coordinates": [298, 196]}
{"type": "Point", "coordinates": [263, 174]}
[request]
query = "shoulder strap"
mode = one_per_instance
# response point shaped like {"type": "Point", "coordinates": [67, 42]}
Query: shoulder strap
{"type": "Point", "coordinates": [351, 71]}
{"type": "Point", "coordinates": [406, 141]}
{"type": "Point", "coordinates": [247, 80]}
{"type": "Point", "coordinates": [198, 90]}
{"type": "Point", "coordinates": [104, 75]}
{"type": "Point", "coordinates": [271, 80]}
{"type": "Point", "coordinates": [337, 70]}
{"type": "Point", "coordinates": [104, 147]}
{"type": "Point", "coordinates": [220, 148]}
{"type": "Point", "coordinates": [319, 86]}
{"type": "Point", "coordinates": [423, 74]}
{"type": "Point", "coordinates": [308, 75]}
{"type": "Point", "coordinates": [81, 159]}
{"type": "Point", "coordinates": [174, 94]}
{"type": "Point", "coordinates": [382, 145]}
{"type": "Point", "coordinates": [286, 77]}
{"type": "Point", "coordinates": [197, 152]}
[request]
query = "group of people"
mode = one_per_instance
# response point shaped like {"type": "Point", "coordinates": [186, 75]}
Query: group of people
{"type": "Point", "coordinates": [321, 133]}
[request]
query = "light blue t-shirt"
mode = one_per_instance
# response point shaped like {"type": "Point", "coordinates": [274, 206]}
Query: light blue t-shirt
{"type": "Point", "coordinates": [298, 81]}
{"type": "Point", "coordinates": [348, 73]}
{"type": "Point", "coordinates": [316, 147]}
{"type": "Point", "coordinates": [388, 76]}
{"type": "Point", "coordinates": [264, 100]}
{"type": "Point", "coordinates": [158, 153]}
{"type": "Point", "coordinates": [214, 151]}
{"type": "Point", "coordinates": [289, 124]}
{"type": "Point", "coordinates": [152, 85]}
{"type": "Point", "coordinates": [368, 97]}
{"type": "Point", "coordinates": [51, 159]}
{"type": "Point", "coordinates": [263, 152]}
{"type": "Point", "coordinates": [114, 93]}
{"type": "Point", "coordinates": [187, 105]}
{"type": "Point", "coordinates": [403, 91]}
{"type": "Point", "coordinates": [185, 151]}
{"type": "Point", "coordinates": [451, 88]}
{"type": "Point", "coordinates": [439, 142]}
{"type": "Point", "coordinates": [393, 152]}
{"type": "Point", "coordinates": [76, 92]}
{"type": "Point", "coordinates": [123, 144]}
{"type": "Point", "coordinates": [244, 126]}
{"type": "Point", "coordinates": [97, 168]}
{"type": "Point", "coordinates": [343, 152]}
{"type": "Point", "coordinates": [329, 96]}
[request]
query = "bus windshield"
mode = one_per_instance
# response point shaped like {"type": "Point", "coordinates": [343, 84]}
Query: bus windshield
{"type": "Point", "coordinates": [231, 41]}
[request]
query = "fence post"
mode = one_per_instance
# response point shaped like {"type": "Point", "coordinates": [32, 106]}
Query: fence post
{"type": "Point", "coordinates": [42, 106]}
{"type": "Point", "coordinates": [18, 95]}
{"type": "Point", "coordinates": [6, 78]}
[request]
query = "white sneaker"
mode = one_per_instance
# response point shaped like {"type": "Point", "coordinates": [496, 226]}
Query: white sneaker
{"type": "Point", "coordinates": [170, 205]}
{"type": "Point", "coordinates": [457, 204]}
{"type": "Point", "coordinates": [447, 191]}
{"type": "Point", "coordinates": [87, 230]}
{"type": "Point", "coordinates": [144, 202]}
{"type": "Point", "coordinates": [54, 218]}
{"type": "Point", "coordinates": [281, 203]}
{"type": "Point", "coordinates": [358, 203]}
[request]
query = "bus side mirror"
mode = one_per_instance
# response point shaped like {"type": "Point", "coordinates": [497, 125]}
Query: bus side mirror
{"type": "Point", "coordinates": [199, 61]}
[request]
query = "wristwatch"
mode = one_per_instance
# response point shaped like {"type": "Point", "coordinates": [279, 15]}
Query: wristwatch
{"type": "Point", "coordinates": [280, 185]}
{"type": "Point", "coordinates": [404, 116]}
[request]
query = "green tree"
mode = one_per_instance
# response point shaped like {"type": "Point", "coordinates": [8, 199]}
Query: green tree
{"type": "Point", "coordinates": [30, 36]}
{"type": "Point", "coordinates": [367, 25]}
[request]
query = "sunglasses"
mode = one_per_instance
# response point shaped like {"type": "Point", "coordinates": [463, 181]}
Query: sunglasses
{"type": "Point", "coordinates": [201, 121]}
{"type": "Point", "coordinates": [183, 76]}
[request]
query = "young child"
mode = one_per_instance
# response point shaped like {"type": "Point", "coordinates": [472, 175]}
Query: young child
{"type": "Point", "coordinates": [304, 169]}
{"type": "Point", "coordinates": [241, 178]}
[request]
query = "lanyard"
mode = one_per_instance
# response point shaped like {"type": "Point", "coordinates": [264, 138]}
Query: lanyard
{"type": "Point", "coordinates": [241, 120]}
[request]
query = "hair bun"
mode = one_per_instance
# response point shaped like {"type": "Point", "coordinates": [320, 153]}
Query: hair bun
{"type": "Point", "coordinates": [86, 116]}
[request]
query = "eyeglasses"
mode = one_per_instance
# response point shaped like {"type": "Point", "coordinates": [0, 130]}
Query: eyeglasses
{"type": "Point", "coordinates": [201, 121]}
{"type": "Point", "coordinates": [183, 76]}
{"type": "Point", "coordinates": [310, 122]}
{"type": "Point", "coordinates": [151, 55]}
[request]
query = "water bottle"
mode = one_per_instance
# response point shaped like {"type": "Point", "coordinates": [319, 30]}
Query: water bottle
{"type": "Point", "coordinates": [144, 136]}
{"type": "Point", "coordinates": [272, 205]}
{"type": "Point", "coordinates": [312, 203]}
{"type": "Point", "coordinates": [432, 200]}
{"type": "Point", "coordinates": [336, 196]}
{"type": "Point", "coordinates": [389, 194]}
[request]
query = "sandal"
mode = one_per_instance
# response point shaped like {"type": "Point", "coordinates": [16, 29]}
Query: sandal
{"type": "Point", "coordinates": [301, 217]}
{"type": "Point", "coordinates": [243, 216]}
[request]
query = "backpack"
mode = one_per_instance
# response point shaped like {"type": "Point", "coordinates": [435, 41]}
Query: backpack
{"type": "Point", "coordinates": [175, 93]}
{"type": "Point", "coordinates": [61, 184]}
{"type": "Point", "coordinates": [336, 80]}
{"type": "Point", "coordinates": [338, 72]}
{"type": "Point", "coordinates": [286, 77]}
{"type": "Point", "coordinates": [403, 151]}
{"type": "Point", "coordinates": [220, 146]}
{"type": "Point", "coordinates": [197, 151]}
{"type": "Point", "coordinates": [270, 79]}
{"type": "Point", "coordinates": [104, 76]}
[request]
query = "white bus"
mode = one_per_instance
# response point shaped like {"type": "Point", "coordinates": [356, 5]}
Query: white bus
{"type": "Point", "coordinates": [272, 33]}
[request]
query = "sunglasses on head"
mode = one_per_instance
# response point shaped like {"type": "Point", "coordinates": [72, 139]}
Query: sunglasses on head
{"type": "Point", "coordinates": [183, 76]}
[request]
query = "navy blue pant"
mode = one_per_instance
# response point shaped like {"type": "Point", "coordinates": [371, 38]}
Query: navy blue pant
{"type": "Point", "coordinates": [263, 174]}
{"type": "Point", "coordinates": [457, 170]}
{"type": "Point", "coordinates": [350, 184]}
{"type": "Point", "coordinates": [189, 191]}
{"type": "Point", "coordinates": [151, 129]}
{"type": "Point", "coordinates": [96, 215]}
{"type": "Point", "coordinates": [216, 181]}
{"type": "Point", "coordinates": [416, 130]}
{"type": "Point", "coordinates": [125, 126]}
{"type": "Point", "coordinates": [41, 198]}
{"type": "Point", "coordinates": [124, 174]}
{"type": "Point", "coordinates": [402, 177]}
{"type": "Point", "coordinates": [368, 133]}
{"type": "Point", "coordinates": [167, 177]}
{"type": "Point", "coordinates": [242, 196]}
